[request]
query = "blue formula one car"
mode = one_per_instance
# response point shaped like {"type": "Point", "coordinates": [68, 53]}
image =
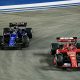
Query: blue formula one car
{"type": "Point", "coordinates": [16, 36]}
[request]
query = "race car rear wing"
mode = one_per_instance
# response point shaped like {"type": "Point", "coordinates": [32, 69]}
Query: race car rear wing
{"type": "Point", "coordinates": [19, 24]}
{"type": "Point", "coordinates": [66, 39]}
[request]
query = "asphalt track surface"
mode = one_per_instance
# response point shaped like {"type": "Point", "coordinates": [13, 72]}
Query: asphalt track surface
{"type": "Point", "coordinates": [34, 63]}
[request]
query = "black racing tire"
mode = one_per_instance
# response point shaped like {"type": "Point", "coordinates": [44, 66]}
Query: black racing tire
{"type": "Point", "coordinates": [54, 47]}
{"type": "Point", "coordinates": [29, 32]}
{"type": "Point", "coordinates": [59, 59]}
{"type": "Point", "coordinates": [25, 41]}
{"type": "Point", "coordinates": [78, 45]}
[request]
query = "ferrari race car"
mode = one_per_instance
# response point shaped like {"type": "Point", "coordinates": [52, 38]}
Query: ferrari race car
{"type": "Point", "coordinates": [16, 36]}
{"type": "Point", "coordinates": [66, 52]}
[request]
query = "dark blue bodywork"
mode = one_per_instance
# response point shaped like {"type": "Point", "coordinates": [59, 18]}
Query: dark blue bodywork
{"type": "Point", "coordinates": [13, 38]}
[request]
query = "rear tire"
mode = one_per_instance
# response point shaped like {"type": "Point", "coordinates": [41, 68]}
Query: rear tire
{"type": "Point", "coordinates": [54, 47]}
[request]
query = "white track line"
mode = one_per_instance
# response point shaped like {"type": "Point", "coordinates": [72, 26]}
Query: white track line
{"type": "Point", "coordinates": [37, 6]}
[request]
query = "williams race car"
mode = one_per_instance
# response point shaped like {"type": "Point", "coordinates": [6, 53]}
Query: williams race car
{"type": "Point", "coordinates": [66, 52]}
{"type": "Point", "coordinates": [16, 36]}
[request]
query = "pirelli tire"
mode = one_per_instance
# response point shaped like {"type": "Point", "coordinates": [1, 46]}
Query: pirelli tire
{"type": "Point", "coordinates": [59, 60]}
{"type": "Point", "coordinates": [25, 41]}
{"type": "Point", "coordinates": [29, 32]}
{"type": "Point", "coordinates": [54, 47]}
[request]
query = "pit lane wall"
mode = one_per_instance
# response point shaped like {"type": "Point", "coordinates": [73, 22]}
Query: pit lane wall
{"type": "Point", "coordinates": [25, 5]}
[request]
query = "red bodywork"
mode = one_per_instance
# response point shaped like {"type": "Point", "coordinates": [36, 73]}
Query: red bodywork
{"type": "Point", "coordinates": [72, 55]}
{"type": "Point", "coordinates": [71, 51]}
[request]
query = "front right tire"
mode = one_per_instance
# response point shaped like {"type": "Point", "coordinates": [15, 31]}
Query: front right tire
{"type": "Point", "coordinates": [59, 59]}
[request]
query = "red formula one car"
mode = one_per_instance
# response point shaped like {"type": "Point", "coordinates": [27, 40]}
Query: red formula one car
{"type": "Point", "coordinates": [66, 52]}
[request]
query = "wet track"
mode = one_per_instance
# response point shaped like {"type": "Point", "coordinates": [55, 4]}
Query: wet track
{"type": "Point", "coordinates": [34, 63]}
